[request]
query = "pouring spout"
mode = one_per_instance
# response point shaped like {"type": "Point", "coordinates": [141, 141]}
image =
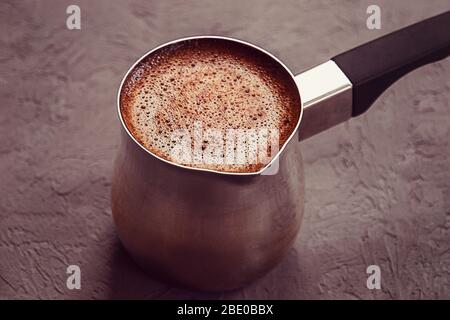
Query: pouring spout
{"type": "Point", "coordinates": [326, 95]}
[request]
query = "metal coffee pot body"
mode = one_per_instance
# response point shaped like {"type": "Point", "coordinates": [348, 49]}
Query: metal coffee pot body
{"type": "Point", "coordinates": [216, 231]}
{"type": "Point", "coordinates": [201, 229]}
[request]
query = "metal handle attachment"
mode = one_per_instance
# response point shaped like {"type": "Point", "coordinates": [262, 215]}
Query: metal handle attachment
{"type": "Point", "coordinates": [326, 93]}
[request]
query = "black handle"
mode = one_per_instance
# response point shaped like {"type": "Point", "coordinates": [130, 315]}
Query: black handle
{"type": "Point", "coordinates": [374, 66]}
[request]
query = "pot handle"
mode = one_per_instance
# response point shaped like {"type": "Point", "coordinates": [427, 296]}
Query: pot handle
{"type": "Point", "coordinates": [374, 66]}
{"type": "Point", "coordinates": [368, 70]}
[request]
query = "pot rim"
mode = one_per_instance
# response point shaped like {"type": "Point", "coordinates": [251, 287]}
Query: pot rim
{"type": "Point", "coordinates": [275, 158]}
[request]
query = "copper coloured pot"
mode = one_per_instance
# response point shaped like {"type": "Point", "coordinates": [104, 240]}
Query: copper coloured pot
{"type": "Point", "coordinates": [216, 231]}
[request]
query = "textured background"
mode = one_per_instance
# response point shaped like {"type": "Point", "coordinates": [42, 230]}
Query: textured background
{"type": "Point", "coordinates": [377, 187]}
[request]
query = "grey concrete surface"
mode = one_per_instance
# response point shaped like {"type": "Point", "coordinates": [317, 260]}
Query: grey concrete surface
{"type": "Point", "coordinates": [377, 187]}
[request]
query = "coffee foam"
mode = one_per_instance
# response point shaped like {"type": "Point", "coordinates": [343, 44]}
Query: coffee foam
{"type": "Point", "coordinates": [218, 84]}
